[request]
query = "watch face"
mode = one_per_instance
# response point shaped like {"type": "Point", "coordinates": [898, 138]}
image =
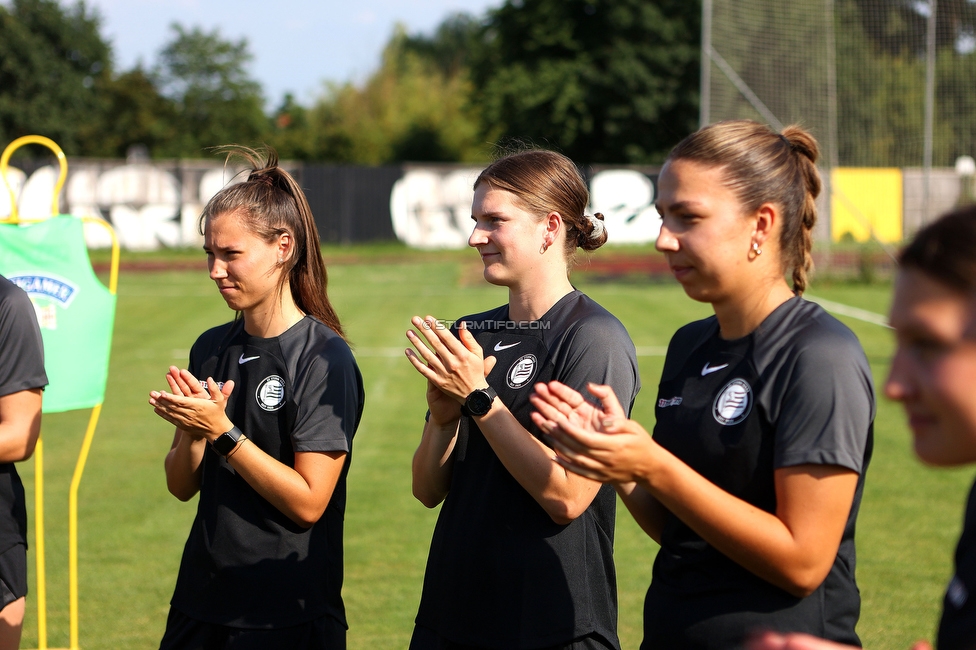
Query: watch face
{"type": "Point", "coordinates": [479, 402]}
{"type": "Point", "coordinates": [225, 444]}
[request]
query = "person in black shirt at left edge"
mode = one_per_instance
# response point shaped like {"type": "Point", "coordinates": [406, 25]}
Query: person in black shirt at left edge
{"type": "Point", "coordinates": [933, 375]}
{"type": "Point", "coordinates": [522, 553]}
{"type": "Point", "coordinates": [265, 417]}
{"type": "Point", "coordinates": [22, 379]}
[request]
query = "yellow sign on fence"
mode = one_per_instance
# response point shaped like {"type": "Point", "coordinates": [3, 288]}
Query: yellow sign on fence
{"type": "Point", "coordinates": [866, 201]}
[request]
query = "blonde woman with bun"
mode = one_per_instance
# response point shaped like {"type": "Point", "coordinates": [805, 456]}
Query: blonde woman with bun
{"type": "Point", "coordinates": [522, 553]}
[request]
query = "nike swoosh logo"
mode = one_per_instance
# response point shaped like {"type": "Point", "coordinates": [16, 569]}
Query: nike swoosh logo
{"type": "Point", "coordinates": [499, 347]}
{"type": "Point", "coordinates": [244, 359]}
{"type": "Point", "coordinates": [707, 371]}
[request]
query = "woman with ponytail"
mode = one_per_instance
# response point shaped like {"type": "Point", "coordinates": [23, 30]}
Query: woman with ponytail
{"type": "Point", "coordinates": [522, 553]}
{"type": "Point", "coordinates": [265, 415]}
{"type": "Point", "coordinates": [753, 477]}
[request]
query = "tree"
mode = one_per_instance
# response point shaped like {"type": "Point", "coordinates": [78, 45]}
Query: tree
{"type": "Point", "coordinates": [289, 130]}
{"type": "Point", "coordinates": [51, 61]}
{"type": "Point", "coordinates": [901, 26]}
{"type": "Point", "coordinates": [413, 108]}
{"type": "Point", "coordinates": [881, 83]}
{"type": "Point", "coordinates": [135, 113]}
{"type": "Point", "coordinates": [206, 77]}
{"type": "Point", "coordinates": [454, 45]}
{"type": "Point", "coordinates": [602, 80]}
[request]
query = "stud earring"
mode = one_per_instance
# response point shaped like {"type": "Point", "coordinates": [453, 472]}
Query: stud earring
{"type": "Point", "coordinates": [756, 249]}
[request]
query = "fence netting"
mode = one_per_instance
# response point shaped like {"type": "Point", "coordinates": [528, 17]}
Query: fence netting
{"type": "Point", "coordinates": [877, 82]}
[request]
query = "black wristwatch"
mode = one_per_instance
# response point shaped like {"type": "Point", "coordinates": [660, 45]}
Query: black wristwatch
{"type": "Point", "coordinates": [225, 444]}
{"type": "Point", "coordinates": [479, 402]}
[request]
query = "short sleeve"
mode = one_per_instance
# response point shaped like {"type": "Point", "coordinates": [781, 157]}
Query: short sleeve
{"type": "Point", "coordinates": [331, 401]}
{"type": "Point", "coordinates": [21, 346]}
{"type": "Point", "coordinates": [827, 405]}
{"type": "Point", "coordinates": [602, 352]}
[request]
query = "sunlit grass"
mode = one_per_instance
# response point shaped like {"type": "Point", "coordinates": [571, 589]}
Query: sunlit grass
{"type": "Point", "coordinates": [132, 531]}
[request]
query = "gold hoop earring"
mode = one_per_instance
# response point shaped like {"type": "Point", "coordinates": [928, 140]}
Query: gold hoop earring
{"type": "Point", "coordinates": [756, 249]}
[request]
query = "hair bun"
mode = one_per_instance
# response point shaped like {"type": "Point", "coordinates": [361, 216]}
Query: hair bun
{"type": "Point", "coordinates": [801, 142]}
{"type": "Point", "coordinates": [593, 232]}
{"type": "Point", "coordinates": [596, 223]}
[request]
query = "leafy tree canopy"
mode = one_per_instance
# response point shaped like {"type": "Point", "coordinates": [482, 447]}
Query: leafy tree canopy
{"type": "Point", "coordinates": [51, 60]}
{"type": "Point", "coordinates": [415, 107]}
{"type": "Point", "coordinates": [901, 26]}
{"type": "Point", "coordinates": [206, 77]}
{"type": "Point", "coordinates": [603, 80]}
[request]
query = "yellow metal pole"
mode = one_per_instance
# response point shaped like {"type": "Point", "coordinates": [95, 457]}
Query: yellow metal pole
{"type": "Point", "coordinates": [73, 525]}
{"type": "Point", "coordinates": [39, 449]}
{"type": "Point", "coordinates": [89, 434]}
{"type": "Point", "coordinates": [62, 174]}
{"type": "Point", "coordinates": [39, 542]}
{"type": "Point", "coordinates": [80, 469]}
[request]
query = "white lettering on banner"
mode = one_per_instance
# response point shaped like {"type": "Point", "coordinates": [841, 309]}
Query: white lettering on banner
{"type": "Point", "coordinates": [145, 203]}
{"type": "Point", "coordinates": [433, 210]}
{"type": "Point", "coordinates": [152, 205]}
{"type": "Point", "coordinates": [49, 286]}
{"type": "Point", "coordinates": [35, 197]}
{"type": "Point", "coordinates": [626, 199]}
{"type": "Point", "coordinates": [44, 291]}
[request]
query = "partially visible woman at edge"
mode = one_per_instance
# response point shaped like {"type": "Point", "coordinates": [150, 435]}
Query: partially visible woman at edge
{"type": "Point", "coordinates": [522, 553]}
{"type": "Point", "coordinates": [265, 416]}
{"type": "Point", "coordinates": [752, 480]}
{"type": "Point", "coordinates": [933, 375]}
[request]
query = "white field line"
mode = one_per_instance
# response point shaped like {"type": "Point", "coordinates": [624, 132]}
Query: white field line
{"type": "Point", "coordinates": [847, 310]}
{"type": "Point", "coordinates": [659, 351]}
{"type": "Point", "coordinates": [642, 351]}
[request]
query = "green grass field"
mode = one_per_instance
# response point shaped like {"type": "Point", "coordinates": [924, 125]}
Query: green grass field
{"type": "Point", "coordinates": [132, 531]}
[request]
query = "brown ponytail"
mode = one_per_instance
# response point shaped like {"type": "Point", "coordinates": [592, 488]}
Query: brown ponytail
{"type": "Point", "coordinates": [796, 237]}
{"type": "Point", "coordinates": [270, 203]}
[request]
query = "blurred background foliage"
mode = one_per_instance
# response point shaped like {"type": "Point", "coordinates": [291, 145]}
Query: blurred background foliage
{"type": "Point", "coordinates": [602, 80]}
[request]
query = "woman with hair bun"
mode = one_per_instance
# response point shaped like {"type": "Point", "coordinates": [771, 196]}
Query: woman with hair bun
{"type": "Point", "coordinates": [265, 416]}
{"type": "Point", "coordinates": [752, 480]}
{"type": "Point", "coordinates": [522, 553]}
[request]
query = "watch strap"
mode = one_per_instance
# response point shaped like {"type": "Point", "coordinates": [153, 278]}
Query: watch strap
{"type": "Point", "coordinates": [489, 393]}
{"type": "Point", "coordinates": [225, 442]}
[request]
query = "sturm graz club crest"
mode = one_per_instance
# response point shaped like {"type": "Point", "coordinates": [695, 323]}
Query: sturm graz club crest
{"type": "Point", "coordinates": [734, 403]}
{"type": "Point", "coordinates": [271, 393]}
{"type": "Point", "coordinates": [522, 371]}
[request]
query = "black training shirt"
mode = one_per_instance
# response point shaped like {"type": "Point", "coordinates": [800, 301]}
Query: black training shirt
{"type": "Point", "coordinates": [501, 573]}
{"type": "Point", "coordinates": [957, 629]}
{"type": "Point", "coordinates": [798, 390]}
{"type": "Point", "coordinates": [245, 563]}
{"type": "Point", "coordinates": [21, 368]}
